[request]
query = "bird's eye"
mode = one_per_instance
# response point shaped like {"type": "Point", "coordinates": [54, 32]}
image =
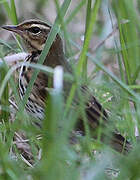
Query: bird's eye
{"type": "Point", "coordinates": [34, 30]}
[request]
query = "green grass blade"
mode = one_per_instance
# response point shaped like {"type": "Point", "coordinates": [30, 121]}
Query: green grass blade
{"type": "Point", "coordinates": [5, 98]}
{"type": "Point", "coordinates": [112, 76]}
{"type": "Point", "coordinates": [83, 53]}
{"type": "Point", "coordinates": [13, 12]}
{"type": "Point", "coordinates": [75, 11]}
{"type": "Point", "coordinates": [88, 36]}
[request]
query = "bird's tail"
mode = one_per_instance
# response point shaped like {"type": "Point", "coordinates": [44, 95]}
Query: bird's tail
{"type": "Point", "coordinates": [120, 144]}
{"type": "Point", "coordinates": [98, 117]}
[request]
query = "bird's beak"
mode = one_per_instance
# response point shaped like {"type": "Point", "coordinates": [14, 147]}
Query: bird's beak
{"type": "Point", "coordinates": [13, 28]}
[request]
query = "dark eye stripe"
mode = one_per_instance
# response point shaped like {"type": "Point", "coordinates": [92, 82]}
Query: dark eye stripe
{"type": "Point", "coordinates": [34, 30]}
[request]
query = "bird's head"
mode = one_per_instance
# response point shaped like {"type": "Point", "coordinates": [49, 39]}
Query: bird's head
{"type": "Point", "coordinates": [33, 32]}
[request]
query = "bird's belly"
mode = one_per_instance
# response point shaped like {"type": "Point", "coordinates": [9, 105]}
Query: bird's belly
{"type": "Point", "coordinates": [34, 106]}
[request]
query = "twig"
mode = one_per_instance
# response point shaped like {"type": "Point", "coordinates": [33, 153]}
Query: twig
{"type": "Point", "coordinates": [109, 35]}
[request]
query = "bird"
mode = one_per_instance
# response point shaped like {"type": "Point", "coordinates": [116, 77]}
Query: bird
{"type": "Point", "coordinates": [34, 34]}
